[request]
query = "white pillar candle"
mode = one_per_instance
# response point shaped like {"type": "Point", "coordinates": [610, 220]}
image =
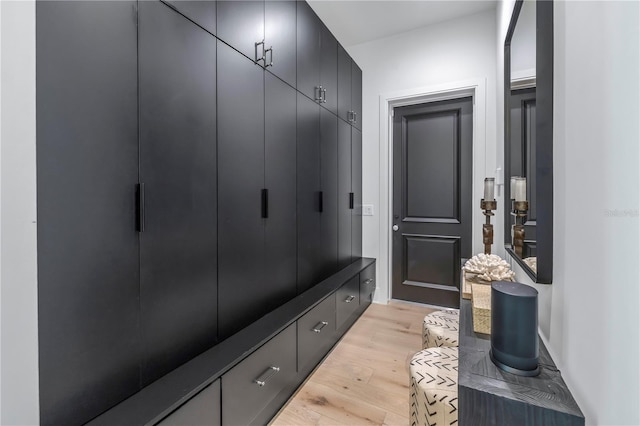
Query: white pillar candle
{"type": "Point", "coordinates": [520, 193]}
{"type": "Point", "coordinates": [512, 187]}
{"type": "Point", "coordinates": [488, 189]}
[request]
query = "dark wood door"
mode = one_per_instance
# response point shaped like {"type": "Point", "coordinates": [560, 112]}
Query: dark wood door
{"type": "Point", "coordinates": [356, 95]}
{"type": "Point", "coordinates": [308, 192]}
{"type": "Point", "coordinates": [87, 161]}
{"type": "Point", "coordinates": [308, 50]}
{"type": "Point", "coordinates": [280, 35]}
{"type": "Point", "coordinates": [241, 239]}
{"type": "Point", "coordinates": [279, 278]}
{"type": "Point", "coordinates": [356, 189]}
{"type": "Point", "coordinates": [344, 194]}
{"type": "Point", "coordinates": [202, 12]}
{"type": "Point", "coordinates": [432, 163]}
{"type": "Point", "coordinates": [329, 69]}
{"type": "Point", "coordinates": [241, 25]}
{"type": "Point", "coordinates": [523, 157]}
{"type": "Point", "coordinates": [177, 89]}
{"type": "Point", "coordinates": [344, 84]}
{"type": "Point", "coordinates": [329, 187]}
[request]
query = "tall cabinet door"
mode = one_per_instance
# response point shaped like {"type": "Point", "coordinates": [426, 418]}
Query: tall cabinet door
{"type": "Point", "coordinates": [329, 188]}
{"type": "Point", "coordinates": [308, 50]}
{"type": "Point", "coordinates": [344, 191]}
{"type": "Point", "coordinates": [344, 84]}
{"type": "Point", "coordinates": [178, 292]}
{"type": "Point", "coordinates": [308, 190]}
{"type": "Point", "coordinates": [241, 180]}
{"type": "Point", "coordinates": [241, 25]}
{"type": "Point", "coordinates": [87, 161]}
{"type": "Point", "coordinates": [279, 279]}
{"type": "Point", "coordinates": [280, 36]}
{"type": "Point", "coordinates": [329, 69]}
{"type": "Point", "coordinates": [356, 188]}
{"type": "Point", "coordinates": [356, 94]}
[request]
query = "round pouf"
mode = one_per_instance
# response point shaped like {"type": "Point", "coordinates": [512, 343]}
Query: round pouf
{"type": "Point", "coordinates": [434, 387]}
{"type": "Point", "coordinates": [440, 328]}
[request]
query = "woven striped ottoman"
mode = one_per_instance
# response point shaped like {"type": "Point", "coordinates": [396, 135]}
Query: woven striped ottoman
{"type": "Point", "coordinates": [434, 387]}
{"type": "Point", "coordinates": [440, 328]}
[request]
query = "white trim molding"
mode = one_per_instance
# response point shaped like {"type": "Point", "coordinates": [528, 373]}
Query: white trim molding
{"type": "Point", "coordinates": [476, 88]}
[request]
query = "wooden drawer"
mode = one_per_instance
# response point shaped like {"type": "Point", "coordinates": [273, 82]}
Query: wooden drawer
{"type": "Point", "coordinates": [367, 284]}
{"type": "Point", "coordinates": [202, 409]}
{"type": "Point", "coordinates": [252, 384]}
{"type": "Point", "coordinates": [316, 334]}
{"type": "Point", "coordinates": [347, 301]}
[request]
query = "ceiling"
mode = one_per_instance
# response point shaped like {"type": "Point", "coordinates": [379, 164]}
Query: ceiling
{"type": "Point", "coordinates": [357, 21]}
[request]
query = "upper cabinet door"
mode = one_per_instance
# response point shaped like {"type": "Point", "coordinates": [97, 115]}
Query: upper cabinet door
{"type": "Point", "coordinates": [308, 51]}
{"type": "Point", "coordinates": [87, 160]}
{"type": "Point", "coordinates": [280, 39]}
{"type": "Point", "coordinates": [356, 95]}
{"type": "Point", "coordinates": [329, 69]}
{"type": "Point", "coordinates": [241, 25]}
{"type": "Point", "coordinates": [177, 109]}
{"type": "Point", "coordinates": [344, 84]}
{"type": "Point", "coordinates": [202, 12]}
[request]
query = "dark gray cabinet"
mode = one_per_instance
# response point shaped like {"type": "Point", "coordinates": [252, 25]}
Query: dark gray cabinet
{"type": "Point", "coordinates": [349, 89]}
{"type": "Point", "coordinates": [202, 409]}
{"type": "Point", "coordinates": [87, 168]}
{"type": "Point", "coordinates": [316, 334]}
{"type": "Point", "coordinates": [178, 283]}
{"type": "Point", "coordinates": [280, 38]}
{"type": "Point", "coordinates": [367, 284]}
{"type": "Point", "coordinates": [328, 262]}
{"type": "Point", "coordinates": [328, 69]}
{"type": "Point", "coordinates": [356, 95]}
{"type": "Point", "coordinates": [250, 386]}
{"type": "Point", "coordinates": [349, 193]}
{"type": "Point", "coordinates": [202, 12]}
{"type": "Point", "coordinates": [356, 189]}
{"type": "Point", "coordinates": [347, 303]}
{"type": "Point", "coordinates": [241, 26]}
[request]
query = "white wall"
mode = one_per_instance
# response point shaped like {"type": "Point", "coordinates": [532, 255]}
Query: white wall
{"type": "Point", "coordinates": [589, 315]}
{"type": "Point", "coordinates": [452, 51]}
{"type": "Point", "coordinates": [18, 276]}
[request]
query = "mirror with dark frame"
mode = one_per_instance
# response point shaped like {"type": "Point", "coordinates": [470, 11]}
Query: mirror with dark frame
{"type": "Point", "coordinates": [528, 144]}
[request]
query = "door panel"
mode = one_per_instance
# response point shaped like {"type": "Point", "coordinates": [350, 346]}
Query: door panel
{"type": "Point", "coordinates": [241, 25]}
{"type": "Point", "coordinates": [308, 50]}
{"type": "Point", "coordinates": [329, 68]}
{"type": "Point", "coordinates": [344, 188]}
{"type": "Point", "coordinates": [344, 84]}
{"type": "Point", "coordinates": [356, 94]}
{"type": "Point", "coordinates": [329, 186]}
{"type": "Point", "coordinates": [241, 238]}
{"type": "Point", "coordinates": [280, 32]}
{"type": "Point", "coordinates": [279, 278]}
{"type": "Point", "coordinates": [308, 190]}
{"type": "Point", "coordinates": [202, 12]}
{"type": "Point", "coordinates": [432, 199]}
{"type": "Point", "coordinates": [178, 294]}
{"type": "Point", "coordinates": [87, 161]}
{"type": "Point", "coordinates": [356, 188]}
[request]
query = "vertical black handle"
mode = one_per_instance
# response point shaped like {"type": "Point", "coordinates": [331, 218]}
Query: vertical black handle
{"type": "Point", "coordinates": [265, 203]}
{"type": "Point", "coordinates": [140, 207]}
{"type": "Point", "coordinates": [320, 202]}
{"type": "Point", "coordinates": [351, 200]}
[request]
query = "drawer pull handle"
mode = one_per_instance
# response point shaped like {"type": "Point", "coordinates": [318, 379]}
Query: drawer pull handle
{"type": "Point", "coordinates": [349, 299]}
{"type": "Point", "coordinates": [318, 328]}
{"type": "Point", "coordinates": [369, 281]}
{"type": "Point", "coordinates": [262, 380]}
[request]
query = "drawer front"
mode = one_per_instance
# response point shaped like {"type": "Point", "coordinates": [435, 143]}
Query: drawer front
{"type": "Point", "coordinates": [249, 386]}
{"type": "Point", "coordinates": [316, 333]}
{"type": "Point", "coordinates": [367, 284]}
{"type": "Point", "coordinates": [347, 300]}
{"type": "Point", "coordinates": [202, 409]}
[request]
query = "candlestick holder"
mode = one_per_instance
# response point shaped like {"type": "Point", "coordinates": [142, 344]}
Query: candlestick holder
{"type": "Point", "coordinates": [487, 228]}
{"type": "Point", "coordinates": [520, 209]}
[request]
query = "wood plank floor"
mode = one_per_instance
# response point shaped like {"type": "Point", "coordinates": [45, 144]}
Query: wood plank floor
{"type": "Point", "coordinates": [365, 379]}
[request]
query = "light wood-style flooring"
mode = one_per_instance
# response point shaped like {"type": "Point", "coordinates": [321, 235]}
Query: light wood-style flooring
{"type": "Point", "coordinates": [365, 379]}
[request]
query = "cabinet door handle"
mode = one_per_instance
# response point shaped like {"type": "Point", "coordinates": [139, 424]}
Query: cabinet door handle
{"type": "Point", "coordinates": [350, 116]}
{"type": "Point", "coordinates": [349, 299]}
{"type": "Point", "coordinates": [355, 117]}
{"type": "Point", "coordinates": [140, 207]}
{"type": "Point", "coordinates": [270, 62]}
{"type": "Point", "coordinates": [323, 98]}
{"type": "Point", "coordinates": [265, 203]}
{"type": "Point", "coordinates": [318, 328]}
{"type": "Point", "coordinates": [369, 281]}
{"type": "Point", "coordinates": [321, 201]}
{"type": "Point", "coordinates": [262, 380]}
{"type": "Point", "coordinates": [318, 93]}
{"type": "Point", "coordinates": [351, 200]}
{"type": "Point", "coordinates": [262, 56]}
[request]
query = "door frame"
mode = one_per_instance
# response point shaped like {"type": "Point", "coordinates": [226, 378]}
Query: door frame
{"type": "Point", "coordinates": [476, 88]}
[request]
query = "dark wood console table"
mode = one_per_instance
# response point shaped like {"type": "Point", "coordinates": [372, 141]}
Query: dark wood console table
{"type": "Point", "coordinates": [490, 396]}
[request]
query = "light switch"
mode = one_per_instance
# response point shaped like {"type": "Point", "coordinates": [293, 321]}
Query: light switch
{"type": "Point", "coordinates": [367, 210]}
